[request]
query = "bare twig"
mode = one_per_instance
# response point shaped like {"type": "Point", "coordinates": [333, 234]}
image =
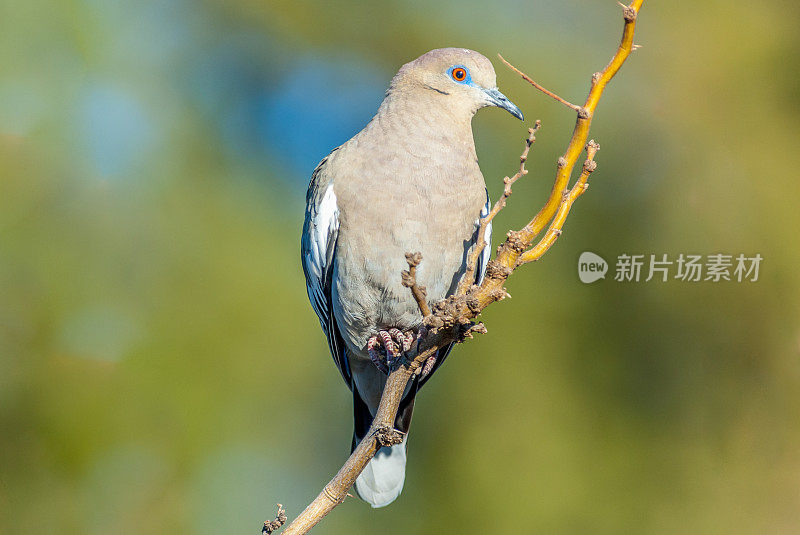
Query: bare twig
{"type": "Point", "coordinates": [451, 320]}
{"type": "Point", "coordinates": [518, 242]}
{"type": "Point", "coordinates": [273, 525]}
{"type": "Point", "coordinates": [552, 234]}
{"type": "Point", "coordinates": [480, 242]}
{"type": "Point", "coordinates": [541, 88]}
{"type": "Point", "coordinates": [409, 279]}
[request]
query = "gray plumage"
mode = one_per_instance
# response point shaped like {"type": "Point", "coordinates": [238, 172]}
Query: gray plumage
{"type": "Point", "coordinates": [409, 181]}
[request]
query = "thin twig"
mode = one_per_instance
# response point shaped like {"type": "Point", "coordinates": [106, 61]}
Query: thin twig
{"type": "Point", "coordinates": [541, 88]}
{"type": "Point", "coordinates": [480, 241]}
{"type": "Point", "coordinates": [552, 234]}
{"type": "Point", "coordinates": [273, 525]}
{"type": "Point", "coordinates": [519, 241]}
{"type": "Point", "coordinates": [409, 280]}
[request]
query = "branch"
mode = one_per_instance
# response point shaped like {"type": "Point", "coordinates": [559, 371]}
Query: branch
{"type": "Point", "coordinates": [381, 433]}
{"type": "Point", "coordinates": [541, 88]}
{"type": "Point", "coordinates": [552, 234]}
{"type": "Point", "coordinates": [580, 134]}
{"type": "Point", "coordinates": [451, 320]}
{"type": "Point", "coordinates": [274, 525]}
{"type": "Point", "coordinates": [409, 279]}
{"type": "Point", "coordinates": [480, 242]}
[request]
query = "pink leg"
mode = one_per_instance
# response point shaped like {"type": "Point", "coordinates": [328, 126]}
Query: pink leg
{"type": "Point", "coordinates": [389, 347]}
{"type": "Point", "coordinates": [403, 340]}
{"type": "Point", "coordinates": [408, 340]}
{"type": "Point", "coordinates": [395, 344]}
{"type": "Point", "coordinates": [428, 367]}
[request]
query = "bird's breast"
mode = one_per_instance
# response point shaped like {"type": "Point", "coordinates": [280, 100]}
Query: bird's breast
{"type": "Point", "coordinates": [402, 185]}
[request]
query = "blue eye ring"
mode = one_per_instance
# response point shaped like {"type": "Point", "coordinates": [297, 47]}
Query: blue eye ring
{"type": "Point", "coordinates": [459, 74]}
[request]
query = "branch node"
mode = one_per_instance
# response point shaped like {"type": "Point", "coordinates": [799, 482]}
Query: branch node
{"type": "Point", "coordinates": [388, 436]}
{"type": "Point", "coordinates": [329, 494]}
{"type": "Point", "coordinates": [628, 13]}
{"type": "Point", "coordinates": [583, 113]}
{"type": "Point", "coordinates": [472, 329]}
{"type": "Point", "coordinates": [515, 241]}
{"type": "Point", "coordinates": [273, 525]}
{"type": "Point", "coordinates": [562, 162]}
{"type": "Point", "coordinates": [478, 328]}
{"type": "Point", "coordinates": [499, 294]}
{"type": "Point", "coordinates": [433, 323]}
{"type": "Point", "coordinates": [496, 270]}
{"type": "Point", "coordinates": [413, 259]}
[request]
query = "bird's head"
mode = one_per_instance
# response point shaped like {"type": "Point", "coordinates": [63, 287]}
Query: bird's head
{"type": "Point", "coordinates": [461, 79]}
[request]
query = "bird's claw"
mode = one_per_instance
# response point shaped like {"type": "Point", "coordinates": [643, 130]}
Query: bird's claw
{"type": "Point", "coordinates": [428, 367]}
{"type": "Point", "coordinates": [394, 344]}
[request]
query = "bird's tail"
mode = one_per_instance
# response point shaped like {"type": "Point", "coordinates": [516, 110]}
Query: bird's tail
{"type": "Point", "coordinates": [382, 480]}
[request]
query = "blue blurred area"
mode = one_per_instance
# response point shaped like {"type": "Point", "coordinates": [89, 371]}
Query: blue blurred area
{"type": "Point", "coordinates": [265, 106]}
{"type": "Point", "coordinates": [118, 134]}
{"type": "Point", "coordinates": [320, 104]}
{"type": "Point", "coordinates": [293, 119]}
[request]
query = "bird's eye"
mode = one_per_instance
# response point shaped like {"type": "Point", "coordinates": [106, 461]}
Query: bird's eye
{"type": "Point", "coordinates": [459, 74]}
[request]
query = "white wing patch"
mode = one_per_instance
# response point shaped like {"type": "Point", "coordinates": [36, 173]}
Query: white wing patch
{"type": "Point", "coordinates": [486, 254]}
{"type": "Point", "coordinates": [323, 226]}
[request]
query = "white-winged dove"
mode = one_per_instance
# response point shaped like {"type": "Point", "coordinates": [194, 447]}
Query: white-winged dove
{"type": "Point", "coordinates": [409, 181]}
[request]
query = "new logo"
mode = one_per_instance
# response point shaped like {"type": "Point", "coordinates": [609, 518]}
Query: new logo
{"type": "Point", "coordinates": [591, 267]}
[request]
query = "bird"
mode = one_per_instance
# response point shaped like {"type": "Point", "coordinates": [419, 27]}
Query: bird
{"type": "Point", "coordinates": [408, 181]}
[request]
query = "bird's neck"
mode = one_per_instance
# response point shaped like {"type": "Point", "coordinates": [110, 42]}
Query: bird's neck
{"type": "Point", "coordinates": [424, 127]}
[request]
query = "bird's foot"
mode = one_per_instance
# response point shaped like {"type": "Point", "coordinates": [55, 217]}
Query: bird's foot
{"type": "Point", "coordinates": [374, 355]}
{"type": "Point", "coordinates": [427, 368]}
{"type": "Point", "coordinates": [387, 347]}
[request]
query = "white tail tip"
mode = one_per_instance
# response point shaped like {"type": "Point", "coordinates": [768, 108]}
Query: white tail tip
{"type": "Point", "coordinates": [382, 480]}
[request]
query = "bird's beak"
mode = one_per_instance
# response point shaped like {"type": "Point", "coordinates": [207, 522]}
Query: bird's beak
{"type": "Point", "coordinates": [496, 98]}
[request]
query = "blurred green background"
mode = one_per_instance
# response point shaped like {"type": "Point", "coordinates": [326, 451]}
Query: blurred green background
{"type": "Point", "coordinates": [161, 370]}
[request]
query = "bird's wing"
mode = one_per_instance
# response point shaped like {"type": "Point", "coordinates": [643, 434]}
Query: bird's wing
{"type": "Point", "coordinates": [318, 249]}
{"type": "Point", "coordinates": [480, 271]}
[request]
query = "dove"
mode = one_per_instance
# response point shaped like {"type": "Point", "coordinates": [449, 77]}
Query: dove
{"type": "Point", "coordinates": [408, 182]}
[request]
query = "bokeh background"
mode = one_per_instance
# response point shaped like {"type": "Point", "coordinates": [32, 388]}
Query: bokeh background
{"type": "Point", "coordinates": [162, 372]}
